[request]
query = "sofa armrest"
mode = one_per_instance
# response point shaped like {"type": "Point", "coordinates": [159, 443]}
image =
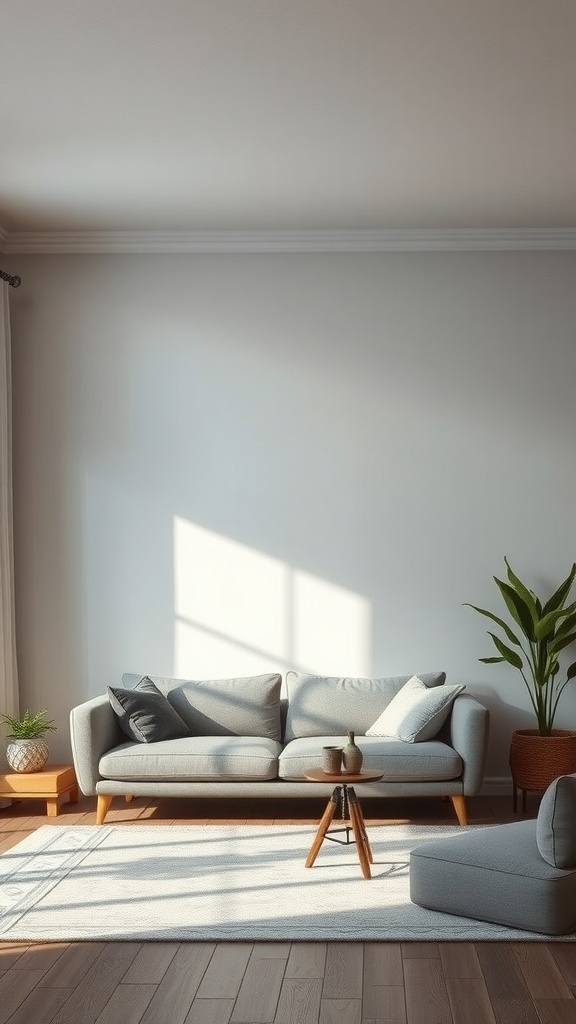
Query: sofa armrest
{"type": "Point", "coordinates": [469, 731]}
{"type": "Point", "coordinates": [94, 730]}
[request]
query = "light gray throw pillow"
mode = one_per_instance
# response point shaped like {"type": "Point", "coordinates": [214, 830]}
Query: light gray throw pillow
{"type": "Point", "coordinates": [556, 823]}
{"type": "Point", "coordinates": [144, 713]}
{"type": "Point", "coordinates": [416, 713]}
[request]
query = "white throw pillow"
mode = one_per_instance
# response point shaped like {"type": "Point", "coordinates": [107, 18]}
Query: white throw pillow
{"type": "Point", "coordinates": [417, 712]}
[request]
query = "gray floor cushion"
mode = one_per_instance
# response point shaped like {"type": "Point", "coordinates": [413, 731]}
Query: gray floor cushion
{"type": "Point", "coordinates": [495, 874]}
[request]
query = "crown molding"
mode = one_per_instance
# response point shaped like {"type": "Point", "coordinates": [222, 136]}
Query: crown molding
{"type": "Point", "coordinates": [377, 240]}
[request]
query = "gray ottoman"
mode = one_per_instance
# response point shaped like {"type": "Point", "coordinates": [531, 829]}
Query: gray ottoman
{"type": "Point", "coordinates": [500, 874]}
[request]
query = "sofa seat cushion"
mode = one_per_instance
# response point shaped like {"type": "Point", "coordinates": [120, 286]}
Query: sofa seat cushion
{"type": "Point", "coordinates": [194, 759]}
{"type": "Point", "coordinates": [324, 705]}
{"type": "Point", "coordinates": [399, 761]}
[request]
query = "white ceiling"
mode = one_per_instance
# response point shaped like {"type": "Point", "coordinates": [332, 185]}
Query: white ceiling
{"type": "Point", "coordinates": [287, 114]}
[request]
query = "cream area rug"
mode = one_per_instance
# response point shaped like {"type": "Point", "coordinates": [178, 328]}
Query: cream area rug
{"type": "Point", "coordinates": [166, 882]}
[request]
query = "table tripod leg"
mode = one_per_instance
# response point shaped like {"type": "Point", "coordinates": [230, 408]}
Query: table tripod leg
{"type": "Point", "coordinates": [323, 827]}
{"type": "Point", "coordinates": [360, 836]}
{"type": "Point", "coordinates": [365, 834]}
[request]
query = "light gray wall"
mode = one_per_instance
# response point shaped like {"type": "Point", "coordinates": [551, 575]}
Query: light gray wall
{"type": "Point", "coordinates": [306, 460]}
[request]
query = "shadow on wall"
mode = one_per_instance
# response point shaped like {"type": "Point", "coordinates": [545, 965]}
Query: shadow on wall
{"type": "Point", "coordinates": [504, 718]}
{"type": "Point", "coordinates": [241, 612]}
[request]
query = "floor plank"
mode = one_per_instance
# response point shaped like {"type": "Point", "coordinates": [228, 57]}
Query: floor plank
{"type": "Point", "coordinates": [556, 1011]}
{"type": "Point", "coordinates": [426, 995]}
{"type": "Point", "coordinates": [151, 963]}
{"type": "Point", "coordinates": [340, 1011]}
{"type": "Point", "coordinates": [16, 987]}
{"type": "Point", "coordinates": [384, 1002]}
{"type": "Point", "coordinates": [502, 973]}
{"type": "Point", "coordinates": [460, 960]}
{"type": "Point", "coordinates": [515, 1011]}
{"type": "Point", "coordinates": [210, 1011]}
{"type": "Point", "coordinates": [344, 971]}
{"type": "Point", "coordinates": [224, 974]}
{"type": "Point", "coordinates": [541, 972]}
{"type": "Point", "coordinates": [41, 1006]}
{"type": "Point", "coordinates": [306, 960]}
{"type": "Point", "coordinates": [469, 1001]}
{"type": "Point", "coordinates": [382, 963]}
{"type": "Point", "coordinates": [10, 952]}
{"type": "Point", "coordinates": [299, 1001]}
{"type": "Point", "coordinates": [260, 991]}
{"type": "Point", "coordinates": [71, 968]}
{"type": "Point", "coordinates": [127, 1004]}
{"type": "Point", "coordinates": [565, 956]}
{"type": "Point", "coordinates": [173, 998]}
{"type": "Point", "coordinates": [90, 997]}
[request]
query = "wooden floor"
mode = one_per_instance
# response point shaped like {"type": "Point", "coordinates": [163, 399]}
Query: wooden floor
{"type": "Point", "coordinates": [280, 983]}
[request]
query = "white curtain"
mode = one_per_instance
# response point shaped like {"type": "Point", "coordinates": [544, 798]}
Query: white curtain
{"type": "Point", "coordinates": [8, 667]}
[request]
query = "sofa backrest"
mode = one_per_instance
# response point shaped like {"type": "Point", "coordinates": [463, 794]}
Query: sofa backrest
{"type": "Point", "coordinates": [334, 705]}
{"type": "Point", "coordinates": [241, 706]}
{"type": "Point", "coordinates": [252, 705]}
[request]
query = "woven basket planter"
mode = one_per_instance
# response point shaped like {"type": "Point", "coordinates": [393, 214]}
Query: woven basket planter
{"type": "Point", "coordinates": [27, 755]}
{"type": "Point", "coordinates": [535, 760]}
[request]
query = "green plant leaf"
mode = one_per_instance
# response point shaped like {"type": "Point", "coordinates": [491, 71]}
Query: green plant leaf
{"type": "Point", "coordinates": [560, 595]}
{"type": "Point", "coordinates": [545, 627]}
{"type": "Point", "coordinates": [518, 608]}
{"type": "Point", "coordinates": [509, 655]}
{"type": "Point", "coordinates": [29, 726]}
{"type": "Point", "coordinates": [571, 672]}
{"type": "Point", "coordinates": [491, 661]}
{"type": "Point", "coordinates": [500, 622]}
{"type": "Point", "coordinates": [560, 643]}
{"type": "Point", "coordinates": [567, 626]}
{"type": "Point", "coordinates": [523, 592]}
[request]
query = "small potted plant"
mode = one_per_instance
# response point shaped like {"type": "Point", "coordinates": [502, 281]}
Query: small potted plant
{"type": "Point", "coordinates": [532, 643]}
{"type": "Point", "coordinates": [26, 749]}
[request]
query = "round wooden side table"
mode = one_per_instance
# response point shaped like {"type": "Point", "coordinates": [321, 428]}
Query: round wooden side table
{"type": "Point", "coordinates": [346, 803]}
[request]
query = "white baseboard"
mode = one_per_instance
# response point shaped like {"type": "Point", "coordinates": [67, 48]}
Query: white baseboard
{"type": "Point", "coordinates": [497, 785]}
{"type": "Point", "coordinates": [370, 240]}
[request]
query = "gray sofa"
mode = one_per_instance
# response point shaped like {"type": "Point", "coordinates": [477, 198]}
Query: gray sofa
{"type": "Point", "coordinates": [254, 737]}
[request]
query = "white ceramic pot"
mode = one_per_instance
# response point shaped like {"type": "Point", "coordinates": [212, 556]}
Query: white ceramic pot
{"type": "Point", "coordinates": [27, 755]}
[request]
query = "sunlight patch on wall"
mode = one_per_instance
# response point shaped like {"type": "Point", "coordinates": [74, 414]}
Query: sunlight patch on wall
{"type": "Point", "coordinates": [331, 627]}
{"type": "Point", "coordinates": [239, 611]}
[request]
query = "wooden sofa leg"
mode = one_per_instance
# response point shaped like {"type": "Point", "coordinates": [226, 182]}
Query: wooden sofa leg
{"type": "Point", "coordinates": [128, 797]}
{"type": "Point", "coordinates": [459, 805]}
{"type": "Point", "coordinates": [102, 807]}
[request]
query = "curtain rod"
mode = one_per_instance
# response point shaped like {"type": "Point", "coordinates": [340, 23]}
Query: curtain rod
{"type": "Point", "coordinates": [12, 279]}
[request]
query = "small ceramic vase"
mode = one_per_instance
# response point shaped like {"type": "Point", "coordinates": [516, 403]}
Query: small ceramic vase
{"type": "Point", "coordinates": [352, 756]}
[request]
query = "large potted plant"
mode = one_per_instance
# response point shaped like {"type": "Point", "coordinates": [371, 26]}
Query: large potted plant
{"type": "Point", "coordinates": [26, 749]}
{"type": "Point", "coordinates": [532, 642]}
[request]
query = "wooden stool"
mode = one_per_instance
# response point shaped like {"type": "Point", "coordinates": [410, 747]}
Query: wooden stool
{"type": "Point", "coordinates": [49, 784]}
{"type": "Point", "coordinates": [345, 801]}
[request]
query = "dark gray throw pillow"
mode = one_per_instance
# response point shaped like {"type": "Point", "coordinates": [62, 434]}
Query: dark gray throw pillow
{"type": "Point", "coordinates": [145, 714]}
